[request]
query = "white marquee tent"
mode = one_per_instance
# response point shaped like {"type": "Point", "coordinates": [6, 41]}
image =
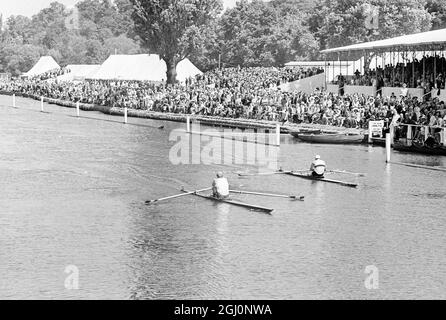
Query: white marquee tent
{"type": "Point", "coordinates": [79, 72]}
{"type": "Point", "coordinates": [185, 69]}
{"type": "Point", "coordinates": [141, 67]}
{"type": "Point", "coordinates": [45, 64]}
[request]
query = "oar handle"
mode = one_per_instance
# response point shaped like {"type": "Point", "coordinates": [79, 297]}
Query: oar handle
{"type": "Point", "coordinates": [177, 195]}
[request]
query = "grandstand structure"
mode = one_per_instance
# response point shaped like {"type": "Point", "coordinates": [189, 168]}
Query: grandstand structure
{"type": "Point", "coordinates": [402, 52]}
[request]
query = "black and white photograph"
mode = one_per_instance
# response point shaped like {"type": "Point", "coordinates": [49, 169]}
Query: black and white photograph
{"type": "Point", "coordinates": [243, 151]}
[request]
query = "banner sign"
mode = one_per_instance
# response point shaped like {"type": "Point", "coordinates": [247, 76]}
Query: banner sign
{"type": "Point", "coordinates": [376, 127]}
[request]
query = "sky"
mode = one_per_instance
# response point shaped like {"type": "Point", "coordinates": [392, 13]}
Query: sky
{"type": "Point", "coordinates": [31, 7]}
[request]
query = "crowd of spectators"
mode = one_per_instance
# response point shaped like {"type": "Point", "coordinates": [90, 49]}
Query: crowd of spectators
{"type": "Point", "coordinates": [410, 74]}
{"type": "Point", "coordinates": [51, 74]}
{"type": "Point", "coordinates": [252, 93]}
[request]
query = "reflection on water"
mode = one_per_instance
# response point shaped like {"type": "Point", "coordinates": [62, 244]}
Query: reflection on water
{"type": "Point", "coordinates": [73, 193]}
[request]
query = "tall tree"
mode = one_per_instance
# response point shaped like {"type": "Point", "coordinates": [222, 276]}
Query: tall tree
{"type": "Point", "coordinates": [171, 28]}
{"type": "Point", "coordinates": [257, 33]}
{"type": "Point", "coordinates": [437, 8]}
{"type": "Point", "coordinates": [16, 58]}
{"type": "Point", "coordinates": [18, 29]}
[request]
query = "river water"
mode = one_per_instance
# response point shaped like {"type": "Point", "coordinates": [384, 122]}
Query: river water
{"type": "Point", "coordinates": [73, 192]}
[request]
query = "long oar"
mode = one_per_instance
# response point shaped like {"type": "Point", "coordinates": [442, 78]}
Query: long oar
{"type": "Point", "coordinates": [176, 196]}
{"type": "Point", "coordinates": [334, 171]}
{"type": "Point", "coordinates": [348, 172]}
{"type": "Point", "coordinates": [262, 173]}
{"type": "Point", "coordinates": [301, 198]}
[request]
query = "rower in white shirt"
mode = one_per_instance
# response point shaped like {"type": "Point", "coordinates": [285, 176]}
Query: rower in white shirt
{"type": "Point", "coordinates": [318, 167]}
{"type": "Point", "coordinates": [220, 187]}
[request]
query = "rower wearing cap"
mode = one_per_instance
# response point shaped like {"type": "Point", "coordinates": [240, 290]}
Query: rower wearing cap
{"type": "Point", "coordinates": [220, 186]}
{"type": "Point", "coordinates": [318, 167]}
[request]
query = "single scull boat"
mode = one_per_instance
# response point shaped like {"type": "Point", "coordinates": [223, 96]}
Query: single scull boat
{"type": "Point", "coordinates": [234, 202]}
{"type": "Point", "coordinates": [310, 177]}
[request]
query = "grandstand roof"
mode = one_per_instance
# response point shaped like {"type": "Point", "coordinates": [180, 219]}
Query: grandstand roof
{"type": "Point", "coordinates": [413, 42]}
{"type": "Point", "coordinates": [316, 63]}
{"type": "Point", "coordinates": [45, 64]}
{"type": "Point", "coordinates": [141, 67]}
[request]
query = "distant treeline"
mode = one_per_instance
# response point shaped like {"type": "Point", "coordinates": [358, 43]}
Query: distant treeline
{"type": "Point", "coordinates": [254, 33]}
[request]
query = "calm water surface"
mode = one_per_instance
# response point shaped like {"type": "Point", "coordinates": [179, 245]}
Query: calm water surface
{"type": "Point", "coordinates": [73, 192]}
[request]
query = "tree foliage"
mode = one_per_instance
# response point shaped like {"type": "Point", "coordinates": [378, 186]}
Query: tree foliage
{"type": "Point", "coordinates": [171, 28]}
{"type": "Point", "coordinates": [266, 34]}
{"type": "Point", "coordinates": [437, 9]}
{"type": "Point", "coordinates": [104, 27]}
{"type": "Point", "coordinates": [253, 33]}
{"type": "Point", "coordinates": [343, 22]}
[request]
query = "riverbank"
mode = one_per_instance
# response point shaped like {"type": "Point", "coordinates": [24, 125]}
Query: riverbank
{"type": "Point", "coordinates": [206, 120]}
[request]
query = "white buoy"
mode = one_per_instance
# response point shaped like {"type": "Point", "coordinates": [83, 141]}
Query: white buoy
{"type": "Point", "coordinates": [187, 124]}
{"type": "Point", "coordinates": [41, 104]}
{"type": "Point", "coordinates": [278, 134]}
{"type": "Point", "coordinates": [13, 101]}
{"type": "Point", "coordinates": [388, 146]}
{"type": "Point", "coordinates": [125, 115]}
{"type": "Point", "coordinates": [77, 108]}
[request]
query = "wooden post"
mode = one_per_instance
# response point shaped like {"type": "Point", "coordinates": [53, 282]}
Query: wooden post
{"type": "Point", "coordinates": [77, 108]}
{"type": "Point", "coordinates": [435, 69]}
{"type": "Point", "coordinates": [403, 79]}
{"type": "Point", "coordinates": [41, 104]}
{"type": "Point", "coordinates": [188, 124]}
{"type": "Point", "coordinates": [424, 69]}
{"type": "Point", "coordinates": [443, 137]}
{"type": "Point", "coordinates": [409, 132]}
{"type": "Point", "coordinates": [391, 131]}
{"type": "Point", "coordinates": [388, 146]}
{"type": "Point", "coordinates": [393, 68]}
{"type": "Point", "coordinates": [278, 134]}
{"type": "Point", "coordinates": [125, 115]}
{"type": "Point", "coordinates": [325, 71]}
{"type": "Point", "coordinates": [13, 101]}
{"type": "Point", "coordinates": [414, 85]}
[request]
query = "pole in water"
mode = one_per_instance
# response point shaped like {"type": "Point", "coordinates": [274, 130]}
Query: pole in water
{"type": "Point", "coordinates": [13, 101]}
{"type": "Point", "coordinates": [388, 147]}
{"type": "Point", "coordinates": [278, 134]}
{"type": "Point", "coordinates": [41, 104]}
{"type": "Point", "coordinates": [125, 115]}
{"type": "Point", "coordinates": [370, 134]}
{"type": "Point", "coordinates": [187, 124]}
{"type": "Point", "coordinates": [77, 108]}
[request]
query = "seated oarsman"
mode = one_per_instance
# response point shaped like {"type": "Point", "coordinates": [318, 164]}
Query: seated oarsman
{"type": "Point", "coordinates": [318, 167]}
{"type": "Point", "coordinates": [220, 187]}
